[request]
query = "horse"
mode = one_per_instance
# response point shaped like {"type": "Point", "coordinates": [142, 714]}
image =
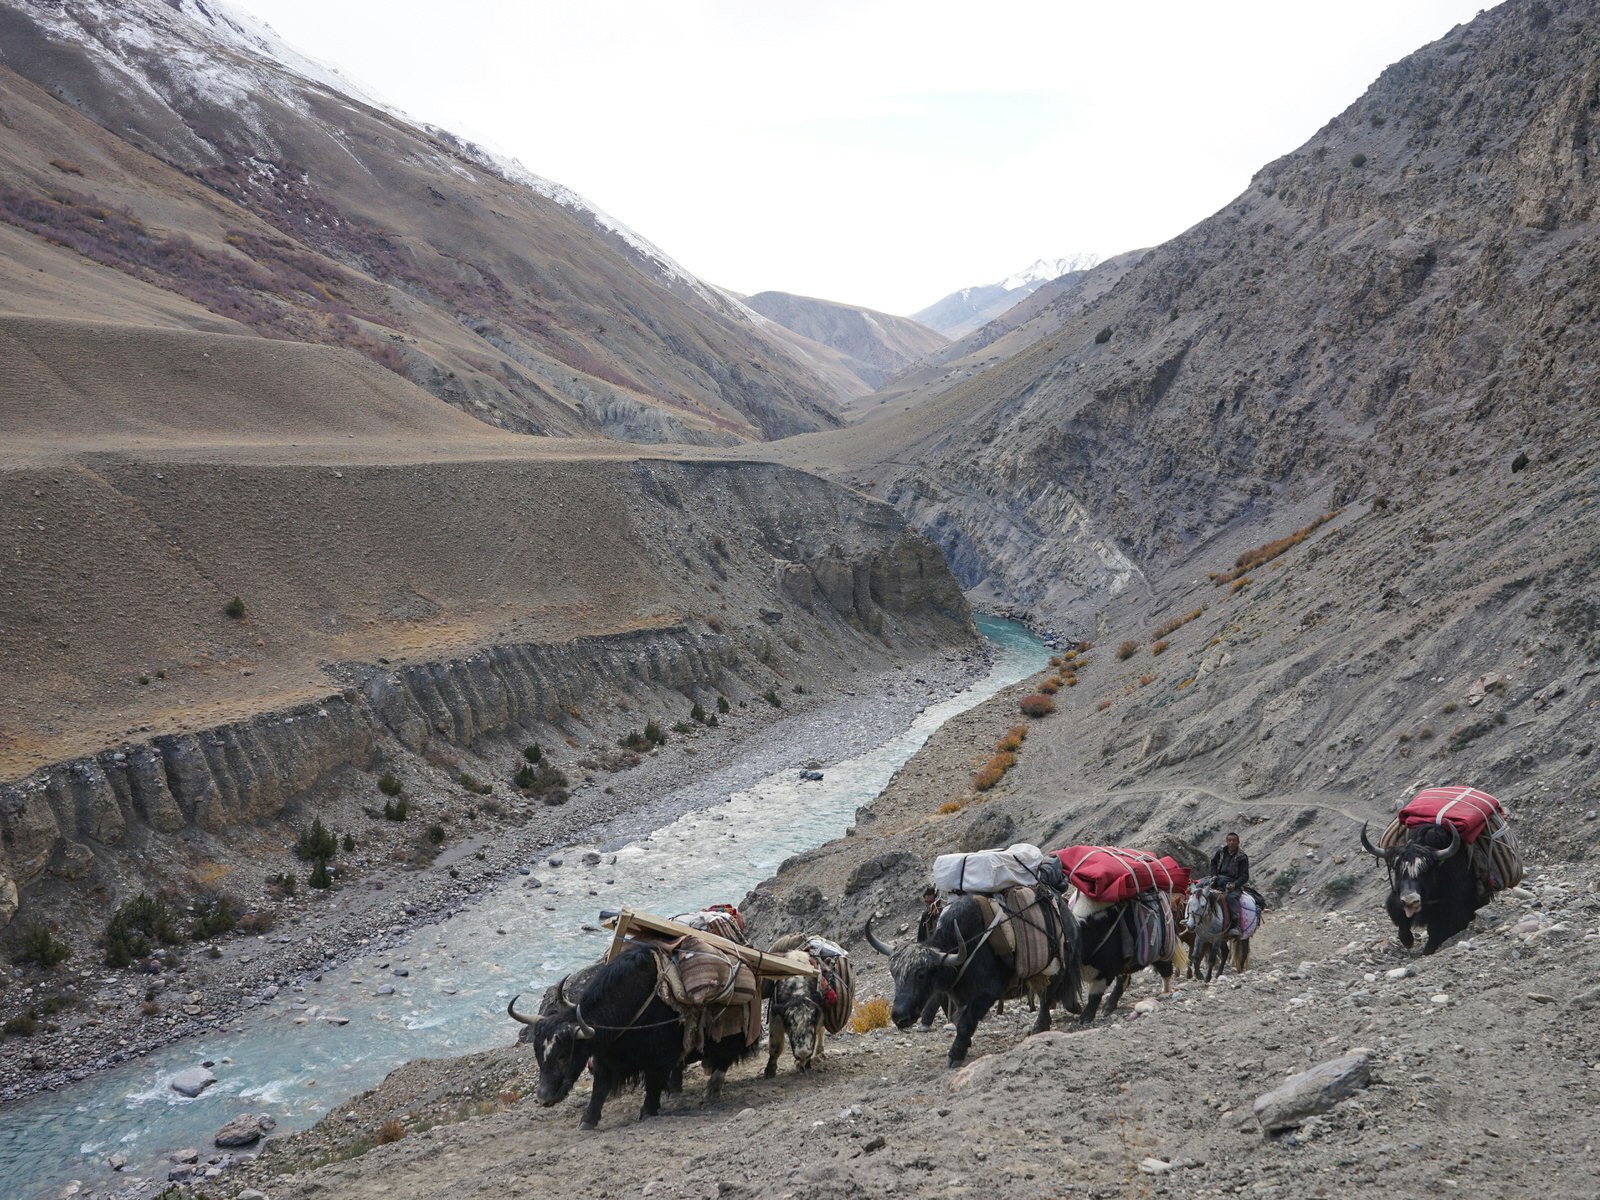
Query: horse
{"type": "Point", "coordinates": [1206, 913]}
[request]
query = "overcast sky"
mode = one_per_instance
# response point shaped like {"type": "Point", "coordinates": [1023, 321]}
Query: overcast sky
{"type": "Point", "coordinates": [878, 152]}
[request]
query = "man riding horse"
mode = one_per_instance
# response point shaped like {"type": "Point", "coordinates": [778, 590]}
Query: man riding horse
{"type": "Point", "coordinates": [1230, 872]}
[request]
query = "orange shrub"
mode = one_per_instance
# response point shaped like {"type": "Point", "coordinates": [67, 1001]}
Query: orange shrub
{"type": "Point", "coordinates": [870, 1014]}
{"type": "Point", "coordinates": [1050, 686]}
{"type": "Point", "coordinates": [950, 806]}
{"type": "Point", "coordinates": [1127, 650]}
{"type": "Point", "coordinates": [1013, 738]}
{"type": "Point", "coordinates": [1146, 680]}
{"type": "Point", "coordinates": [1159, 648]}
{"type": "Point", "coordinates": [1070, 681]}
{"type": "Point", "coordinates": [1036, 705]}
{"type": "Point", "coordinates": [1104, 704]}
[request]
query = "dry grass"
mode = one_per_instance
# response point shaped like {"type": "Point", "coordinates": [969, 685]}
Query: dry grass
{"type": "Point", "coordinates": [870, 1014]}
{"type": "Point", "coordinates": [1266, 553]}
{"type": "Point", "coordinates": [391, 1130]}
{"type": "Point", "coordinates": [1050, 686]}
{"type": "Point", "coordinates": [1013, 738]}
{"type": "Point", "coordinates": [1036, 705]}
{"type": "Point", "coordinates": [1103, 705]}
{"type": "Point", "coordinates": [1127, 650]}
{"type": "Point", "coordinates": [1159, 647]}
{"type": "Point", "coordinates": [993, 771]}
{"type": "Point", "coordinates": [949, 807]}
{"type": "Point", "coordinates": [1146, 680]}
{"type": "Point", "coordinates": [1240, 584]}
{"type": "Point", "coordinates": [1176, 623]}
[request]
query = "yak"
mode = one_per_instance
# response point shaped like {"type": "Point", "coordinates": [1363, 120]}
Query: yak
{"type": "Point", "coordinates": [959, 959]}
{"type": "Point", "coordinates": [796, 1005]}
{"type": "Point", "coordinates": [623, 1030]}
{"type": "Point", "coordinates": [1430, 883]}
{"type": "Point", "coordinates": [1109, 939]}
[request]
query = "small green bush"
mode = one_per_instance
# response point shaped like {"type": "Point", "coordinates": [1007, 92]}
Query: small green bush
{"type": "Point", "coordinates": [136, 927]}
{"type": "Point", "coordinates": [396, 810]}
{"type": "Point", "coordinates": [319, 877]}
{"type": "Point", "coordinates": [234, 609]}
{"type": "Point", "coordinates": [389, 785]}
{"type": "Point", "coordinates": [1358, 160]}
{"type": "Point", "coordinates": [771, 697]}
{"type": "Point", "coordinates": [22, 1025]}
{"type": "Point", "coordinates": [436, 834]}
{"type": "Point", "coordinates": [696, 713]}
{"type": "Point", "coordinates": [723, 706]}
{"type": "Point", "coordinates": [1104, 336]}
{"type": "Point", "coordinates": [284, 882]}
{"type": "Point", "coordinates": [1336, 889]}
{"type": "Point", "coordinates": [40, 947]}
{"type": "Point", "coordinates": [213, 917]}
{"type": "Point", "coordinates": [634, 741]}
{"type": "Point", "coordinates": [532, 753]}
{"type": "Point", "coordinates": [1284, 880]}
{"type": "Point", "coordinates": [349, 843]}
{"type": "Point", "coordinates": [317, 842]}
{"type": "Point", "coordinates": [682, 727]}
{"type": "Point", "coordinates": [654, 734]}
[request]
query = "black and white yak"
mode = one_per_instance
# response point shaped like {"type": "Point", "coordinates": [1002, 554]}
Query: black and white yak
{"type": "Point", "coordinates": [959, 959]}
{"type": "Point", "coordinates": [624, 1032]}
{"type": "Point", "coordinates": [1430, 883]}
{"type": "Point", "coordinates": [797, 1006]}
{"type": "Point", "coordinates": [1111, 950]}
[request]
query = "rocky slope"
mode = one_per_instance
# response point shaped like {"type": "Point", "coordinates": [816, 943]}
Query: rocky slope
{"type": "Point", "coordinates": [160, 165]}
{"type": "Point", "coordinates": [875, 346]}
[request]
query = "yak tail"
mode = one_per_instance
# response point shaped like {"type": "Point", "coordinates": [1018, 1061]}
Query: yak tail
{"type": "Point", "coordinates": [1180, 957]}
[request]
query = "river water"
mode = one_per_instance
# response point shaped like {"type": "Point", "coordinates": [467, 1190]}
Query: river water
{"type": "Point", "coordinates": [443, 991]}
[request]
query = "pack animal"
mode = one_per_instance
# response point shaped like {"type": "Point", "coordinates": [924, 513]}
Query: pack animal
{"type": "Point", "coordinates": [1430, 883]}
{"type": "Point", "coordinates": [796, 1007]}
{"type": "Point", "coordinates": [1206, 915]}
{"type": "Point", "coordinates": [1110, 950]}
{"type": "Point", "coordinates": [961, 959]}
{"type": "Point", "coordinates": [624, 1032]}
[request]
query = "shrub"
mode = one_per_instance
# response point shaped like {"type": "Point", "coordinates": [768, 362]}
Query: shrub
{"type": "Point", "coordinates": [1127, 650]}
{"type": "Point", "coordinates": [1050, 686]}
{"type": "Point", "coordinates": [1012, 739]}
{"type": "Point", "coordinates": [1335, 889]}
{"type": "Point", "coordinates": [633, 741]}
{"type": "Point", "coordinates": [1284, 880]}
{"type": "Point", "coordinates": [1104, 336]}
{"type": "Point", "coordinates": [234, 609]}
{"type": "Point", "coordinates": [1146, 680]}
{"type": "Point", "coordinates": [1177, 623]}
{"type": "Point", "coordinates": [870, 1014]}
{"type": "Point", "coordinates": [389, 785]}
{"type": "Point", "coordinates": [284, 884]}
{"type": "Point", "coordinates": [1159, 647]}
{"type": "Point", "coordinates": [532, 753]}
{"type": "Point", "coordinates": [66, 168]}
{"type": "Point", "coordinates": [1449, 707]}
{"type": "Point", "coordinates": [1266, 553]}
{"type": "Point", "coordinates": [993, 771]}
{"type": "Point", "coordinates": [682, 727]}
{"type": "Point", "coordinates": [40, 947]}
{"type": "Point", "coordinates": [136, 926]}
{"type": "Point", "coordinates": [316, 842]}
{"type": "Point", "coordinates": [349, 843]}
{"type": "Point", "coordinates": [22, 1025]}
{"type": "Point", "coordinates": [542, 780]}
{"type": "Point", "coordinates": [390, 1131]}
{"type": "Point", "coordinates": [436, 834]}
{"type": "Point", "coordinates": [1036, 705]}
{"type": "Point", "coordinates": [950, 806]}
{"type": "Point", "coordinates": [771, 697]}
{"type": "Point", "coordinates": [319, 877]}
{"type": "Point", "coordinates": [396, 810]}
{"type": "Point", "coordinates": [472, 784]}
{"type": "Point", "coordinates": [214, 917]}
{"type": "Point", "coordinates": [260, 920]}
{"type": "Point", "coordinates": [1103, 705]}
{"type": "Point", "coordinates": [1358, 160]}
{"type": "Point", "coordinates": [696, 713]}
{"type": "Point", "coordinates": [722, 705]}
{"type": "Point", "coordinates": [1240, 584]}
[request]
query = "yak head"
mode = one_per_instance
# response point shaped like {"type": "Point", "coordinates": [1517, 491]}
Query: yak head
{"type": "Point", "coordinates": [562, 1044]}
{"type": "Point", "coordinates": [920, 970]}
{"type": "Point", "coordinates": [1411, 863]}
{"type": "Point", "coordinates": [798, 1005]}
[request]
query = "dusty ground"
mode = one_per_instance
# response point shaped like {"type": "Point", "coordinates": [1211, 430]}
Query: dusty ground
{"type": "Point", "coordinates": [1485, 1061]}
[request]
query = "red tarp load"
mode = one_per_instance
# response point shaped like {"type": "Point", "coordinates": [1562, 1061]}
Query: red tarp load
{"type": "Point", "coordinates": [1468, 809]}
{"type": "Point", "coordinates": [1109, 874]}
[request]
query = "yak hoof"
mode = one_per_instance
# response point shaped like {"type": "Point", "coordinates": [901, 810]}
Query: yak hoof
{"type": "Point", "coordinates": [586, 1126]}
{"type": "Point", "coordinates": [772, 1070]}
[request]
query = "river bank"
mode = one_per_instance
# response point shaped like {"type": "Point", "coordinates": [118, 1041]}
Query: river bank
{"type": "Point", "coordinates": [109, 1019]}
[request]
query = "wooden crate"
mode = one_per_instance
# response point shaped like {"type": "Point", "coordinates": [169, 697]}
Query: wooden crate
{"type": "Point", "coordinates": [647, 926]}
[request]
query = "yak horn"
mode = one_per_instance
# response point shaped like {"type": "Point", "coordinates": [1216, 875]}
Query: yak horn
{"type": "Point", "coordinates": [1386, 855]}
{"type": "Point", "coordinates": [874, 940]}
{"type": "Point", "coordinates": [511, 1011]}
{"type": "Point", "coordinates": [1455, 844]}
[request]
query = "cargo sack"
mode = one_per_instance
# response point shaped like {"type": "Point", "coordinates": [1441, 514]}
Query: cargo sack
{"type": "Point", "coordinates": [714, 994]}
{"type": "Point", "coordinates": [1154, 932]}
{"type": "Point", "coordinates": [717, 920]}
{"type": "Point", "coordinates": [835, 982]}
{"type": "Point", "coordinates": [1109, 875]}
{"type": "Point", "coordinates": [988, 871]}
{"type": "Point", "coordinates": [1026, 932]}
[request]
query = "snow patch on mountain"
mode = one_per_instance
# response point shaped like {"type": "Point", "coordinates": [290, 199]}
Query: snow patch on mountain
{"type": "Point", "coordinates": [1045, 269]}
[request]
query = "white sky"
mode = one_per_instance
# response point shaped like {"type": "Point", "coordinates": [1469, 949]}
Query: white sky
{"type": "Point", "coordinates": [877, 152]}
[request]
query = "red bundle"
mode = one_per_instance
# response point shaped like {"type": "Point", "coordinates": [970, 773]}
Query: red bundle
{"type": "Point", "coordinates": [1468, 809]}
{"type": "Point", "coordinates": [1109, 874]}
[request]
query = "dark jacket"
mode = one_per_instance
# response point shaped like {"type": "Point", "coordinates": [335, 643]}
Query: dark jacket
{"type": "Point", "coordinates": [1232, 871]}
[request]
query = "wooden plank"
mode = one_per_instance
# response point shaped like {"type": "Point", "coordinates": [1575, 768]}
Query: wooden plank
{"type": "Point", "coordinates": [759, 961]}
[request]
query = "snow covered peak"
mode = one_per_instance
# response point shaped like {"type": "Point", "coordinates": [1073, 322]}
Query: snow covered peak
{"type": "Point", "coordinates": [247, 34]}
{"type": "Point", "coordinates": [1045, 269]}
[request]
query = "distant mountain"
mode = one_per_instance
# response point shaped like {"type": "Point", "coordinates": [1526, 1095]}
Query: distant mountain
{"type": "Point", "coordinates": [232, 176]}
{"type": "Point", "coordinates": [961, 312]}
{"type": "Point", "coordinates": [874, 346]}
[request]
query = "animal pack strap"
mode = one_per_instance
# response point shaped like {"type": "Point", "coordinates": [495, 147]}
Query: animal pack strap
{"type": "Point", "coordinates": [997, 918]}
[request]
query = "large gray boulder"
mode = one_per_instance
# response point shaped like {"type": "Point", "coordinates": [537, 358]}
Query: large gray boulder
{"type": "Point", "coordinates": [1311, 1092]}
{"type": "Point", "coordinates": [193, 1081]}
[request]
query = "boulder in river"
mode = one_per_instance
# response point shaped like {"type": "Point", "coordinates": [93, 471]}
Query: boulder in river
{"type": "Point", "coordinates": [193, 1081]}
